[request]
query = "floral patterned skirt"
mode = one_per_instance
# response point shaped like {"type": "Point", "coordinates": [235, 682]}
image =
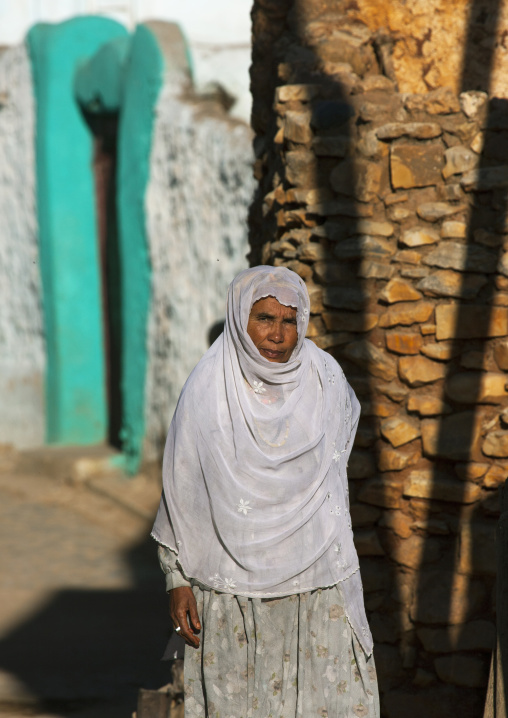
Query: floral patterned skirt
{"type": "Point", "coordinates": [291, 657]}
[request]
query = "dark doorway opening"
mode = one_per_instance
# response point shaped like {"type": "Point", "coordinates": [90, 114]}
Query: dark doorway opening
{"type": "Point", "coordinates": [104, 127]}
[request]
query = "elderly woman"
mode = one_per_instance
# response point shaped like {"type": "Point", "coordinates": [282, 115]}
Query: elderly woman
{"type": "Point", "coordinates": [254, 525]}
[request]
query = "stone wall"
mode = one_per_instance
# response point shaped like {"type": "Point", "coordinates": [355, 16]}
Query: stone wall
{"type": "Point", "coordinates": [392, 208]}
{"type": "Point", "coordinates": [22, 346]}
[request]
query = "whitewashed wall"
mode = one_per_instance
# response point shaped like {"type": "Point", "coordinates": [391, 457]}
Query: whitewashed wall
{"type": "Point", "coordinates": [22, 351]}
{"type": "Point", "coordinates": [197, 201]}
{"type": "Point", "coordinates": [218, 32]}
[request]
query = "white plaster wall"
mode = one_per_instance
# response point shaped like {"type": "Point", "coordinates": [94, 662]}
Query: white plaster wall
{"type": "Point", "coordinates": [218, 32]}
{"type": "Point", "coordinates": [198, 197]}
{"type": "Point", "coordinates": [22, 351]}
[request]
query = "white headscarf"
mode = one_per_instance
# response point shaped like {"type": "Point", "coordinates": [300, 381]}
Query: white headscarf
{"type": "Point", "coordinates": [255, 499]}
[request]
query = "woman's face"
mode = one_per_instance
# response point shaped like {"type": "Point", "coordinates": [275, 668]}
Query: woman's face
{"type": "Point", "coordinates": [272, 328]}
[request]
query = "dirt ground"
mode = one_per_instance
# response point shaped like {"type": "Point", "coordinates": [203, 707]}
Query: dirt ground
{"type": "Point", "coordinates": [83, 613]}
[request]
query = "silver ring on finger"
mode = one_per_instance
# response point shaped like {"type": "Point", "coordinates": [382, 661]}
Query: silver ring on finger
{"type": "Point", "coordinates": [178, 629]}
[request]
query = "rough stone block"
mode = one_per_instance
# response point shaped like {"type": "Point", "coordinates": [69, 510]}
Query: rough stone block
{"type": "Point", "coordinates": [428, 329]}
{"type": "Point", "coordinates": [385, 628]}
{"type": "Point", "coordinates": [469, 671]}
{"type": "Point", "coordinates": [331, 272]}
{"type": "Point", "coordinates": [362, 246]}
{"type": "Point", "coordinates": [442, 101]}
{"type": "Point", "coordinates": [299, 93]}
{"type": "Point", "coordinates": [502, 265]}
{"type": "Point", "coordinates": [397, 459]}
{"type": "Point", "coordinates": [427, 405]}
{"type": "Point", "coordinates": [473, 636]}
{"type": "Point", "coordinates": [446, 283]}
{"type": "Point", "coordinates": [473, 103]}
{"type": "Point", "coordinates": [477, 321]}
{"type": "Point", "coordinates": [343, 208]}
{"type": "Point", "coordinates": [400, 430]}
{"type": "Point", "coordinates": [359, 178]}
{"type": "Point", "coordinates": [417, 371]}
{"type": "Point", "coordinates": [477, 549]}
{"type": "Point", "coordinates": [501, 354]}
{"type": "Point", "coordinates": [361, 465]}
{"type": "Point", "coordinates": [337, 231]}
{"type": "Point", "coordinates": [315, 328]}
{"type": "Point", "coordinates": [454, 437]}
{"type": "Point", "coordinates": [381, 492]}
{"type": "Point", "coordinates": [366, 435]}
{"type": "Point", "coordinates": [472, 471]}
{"type": "Point", "coordinates": [419, 236]}
{"type": "Point", "coordinates": [446, 598]}
{"type": "Point", "coordinates": [495, 476]}
{"type": "Point", "coordinates": [368, 146]}
{"type": "Point", "coordinates": [434, 211]}
{"type": "Point", "coordinates": [474, 360]}
{"type": "Point", "coordinates": [313, 252]}
{"type": "Point", "coordinates": [375, 361]}
{"type": "Point", "coordinates": [399, 214]}
{"type": "Point", "coordinates": [426, 484]}
{"type": "Point", "coordinates": [485, 179]}
{"type": "Point", "coordinates": [301, 169]}
{"type": "Point", "coordinates": [477, 387]}
{"type": "Point", "coordinates": [328, 114]}
{"type": "Point", "coordinates": [367, 543]}
{"type": "Point", "coordinates": [389, 668]}
{"type": "Point", "coordinates": [415, 165]}
{"type": "Point", "coordinates": [332, 340]}
{"type": "Point", "coordinates": [314, 195]}
{"type": "Point", "coordinates": [397, 522]}
{"type": "Point", "coordinates": [337, 146]}
{"type": "Point", "coordinates": [404, 342]}
{"type": "Point", "coordinates": [375, 270]}
{"type": "Point", "coordinates": [375, 228]}
{"type": "Point", "coordinates": [297, 127]}
{"type": "Point", "coordinates": [414, 130]}
{"type": "Point", "coordinates": [364, 515]}
{"type": "Point", "coordinates": [458, 160]}
{"type": "Point", "coordinates": [395, 198]}
{"type": "Point", "coordinates": [441, 351]}
{"type": "Point", "coordinates": [344, 298]}
{"type": "Point", "coordinates": [409, 256]}
{"type": "Point", "coordinates": [414, 272]}
{"type": "Point", "coordinates": [452, 229]}
{"type": "Point", "coordinates": [463, 258]}
{"type": "Point", "coordinates": [378, 407]}
{"type": "Point", "coordinates": [349, 322]}
{"type": "Point", "coordinates": [398, 290]}
{"type": "Point", "coordinates": [375, 82]}
{"type": "Point", "coordinates": [496, 444]}
{"type": "Point", "coordinates": [406, 314]}
{"type": "Point", "coordinates": [411, 552]}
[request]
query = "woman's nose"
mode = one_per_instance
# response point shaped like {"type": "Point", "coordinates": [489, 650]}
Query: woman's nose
{"type": "Point", "coordinates": [276, 333]}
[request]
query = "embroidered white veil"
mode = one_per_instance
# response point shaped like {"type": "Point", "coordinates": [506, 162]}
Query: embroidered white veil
{"type": "Point", "coordinates": [255, 499]}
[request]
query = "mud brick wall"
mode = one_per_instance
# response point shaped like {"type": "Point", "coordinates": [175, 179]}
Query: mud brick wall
{"type": "Point", "coordinates": [392, 209]}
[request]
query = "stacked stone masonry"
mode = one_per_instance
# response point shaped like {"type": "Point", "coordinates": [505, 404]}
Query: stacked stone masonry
{"type": "Point", "coordinates": [391, 207]}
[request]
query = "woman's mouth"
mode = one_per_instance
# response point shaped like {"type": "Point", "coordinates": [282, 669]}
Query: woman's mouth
{"type": "Point", "coordinates": [271, 354]}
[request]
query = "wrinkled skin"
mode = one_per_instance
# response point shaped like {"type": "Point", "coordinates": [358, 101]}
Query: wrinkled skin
{"type": "Point", "coordinates": [273, 330]}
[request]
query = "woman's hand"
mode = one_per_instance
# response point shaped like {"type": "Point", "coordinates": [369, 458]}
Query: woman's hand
{"type": "Point", "coordinates": [182, 604]}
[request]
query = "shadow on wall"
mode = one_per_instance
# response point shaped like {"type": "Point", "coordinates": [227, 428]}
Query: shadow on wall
{"type": "Point", "coordinates": [318, 211]}
{"type": "Point", "coordinates": [488, 213]}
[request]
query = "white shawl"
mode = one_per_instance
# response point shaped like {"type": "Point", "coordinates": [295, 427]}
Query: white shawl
{"type": "Point", "coordinates": [255, 498]}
